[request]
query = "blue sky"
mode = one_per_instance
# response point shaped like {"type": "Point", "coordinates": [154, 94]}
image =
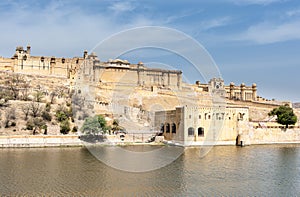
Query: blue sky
{"type": "Point", "coordinates": [251, 41]}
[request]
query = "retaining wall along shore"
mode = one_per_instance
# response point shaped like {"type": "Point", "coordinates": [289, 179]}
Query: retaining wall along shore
{"type": "Point", "coordinates": [39, 141]}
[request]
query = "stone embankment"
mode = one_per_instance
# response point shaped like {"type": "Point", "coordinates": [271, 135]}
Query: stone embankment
{"type": "Point", "coordinates": [270, 136]}
{"type": "Point", "coordinates": [39, 141]}
{"type": "Point", "coordinates": [29, 141]}
{"type": "Point", "coordinates": [250, 137]}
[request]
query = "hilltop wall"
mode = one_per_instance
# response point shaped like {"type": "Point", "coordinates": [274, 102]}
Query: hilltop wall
{"type": "Point", "coordinates": [23, 62]}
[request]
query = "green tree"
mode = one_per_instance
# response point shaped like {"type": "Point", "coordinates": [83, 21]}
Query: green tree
{"type": "Point", "coordinates": [116, 126]}
{"type": "Point", "coordinates": [61, 116]}
{"type": "Point", "coordinates": [103, 123]}
{"type": "Point", "coordinates": [62, 113]}
{"type": "Point", "coordinates": [285, 115]}
{"type": "Point", "coordinates": [75, 129]}
{"type": "Point", "coordinates": [65, 127]}
{"type": "Point", "coordinates": [94, 125]}
{"type": "Point", "coordinates": [46, 115]}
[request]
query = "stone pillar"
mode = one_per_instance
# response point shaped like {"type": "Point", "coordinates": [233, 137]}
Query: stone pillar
{"type": "Point", "coordinates": [52, 65]}
{"type": "Point", "coordinates": [23, 61]}
{"type": "Point", "coordinates": [231, 94]}
{"type": "Point", "coordinates": [28, 50]}
{"type": "Point", "coordinates": [139, 77]}
{"type": "Point", "coordinates": [243, 95]}
{"type": "Point", "coordinates": [85, 54]}
{"type": "Point", "coordinates": [138, 73]}
{"type": "Point", "coordinates": [254, 92]}
{"type": "Point", "coordinates": [179, 80]}
{"type": "Point", "coordinates": [15, 63]}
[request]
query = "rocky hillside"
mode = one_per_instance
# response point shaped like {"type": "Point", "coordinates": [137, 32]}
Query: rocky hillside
{"type": "Point", "coordinates": [34, 104]}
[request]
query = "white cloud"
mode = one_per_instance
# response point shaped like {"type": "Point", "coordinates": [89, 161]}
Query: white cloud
{"type": "Point", "coordinates": [265, 33]}
{"type": "Point", "coordinates": [125, 6]}
{"type": "Point", "coordinates": [218, 22]}
{"type": "Point", "coordinates": [58, 29]}
{"type": "Point", "coordinates": [184, 14]}
{"type": "Point", "coordinates": [293, 13]}
{"type": "Point", "coordinates": [257, 2]}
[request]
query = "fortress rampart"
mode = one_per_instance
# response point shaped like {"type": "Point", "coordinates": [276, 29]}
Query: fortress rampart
{"type": "Point", "coordinates": [23, 62]}
{"type": "Point", "coordinates": [120, 72]}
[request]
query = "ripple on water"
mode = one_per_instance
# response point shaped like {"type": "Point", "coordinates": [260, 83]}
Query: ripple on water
{"type": "Point", "coordinates": [226, 171]}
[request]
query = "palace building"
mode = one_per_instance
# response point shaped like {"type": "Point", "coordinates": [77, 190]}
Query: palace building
{"type": "Point", "coordinates": [197, 121]}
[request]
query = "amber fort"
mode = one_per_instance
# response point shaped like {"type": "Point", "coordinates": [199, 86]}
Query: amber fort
{"type": "Point", "coordinates": [158, 100]}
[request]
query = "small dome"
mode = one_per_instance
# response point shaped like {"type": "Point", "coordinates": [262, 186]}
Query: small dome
{"type": "Point", "coordinates": [243, 84]}
{"type": "Point", "coordinates": [231, 84]}
{"type": "Point", "coordinates": [254, 85]}
{"type": "Point", "coordinates": [117, 61]}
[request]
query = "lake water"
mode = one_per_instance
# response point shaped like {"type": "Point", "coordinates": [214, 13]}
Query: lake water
{"type": "Point", "coordinates": [272, 170]}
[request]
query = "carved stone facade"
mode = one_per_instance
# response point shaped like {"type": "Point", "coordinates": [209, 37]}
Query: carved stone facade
{"type": "Point", "coordinates": [232, 92]}
{"type": "Point", "coordinates": [121, 72]}
{"type": "Point", "coordinates": [242, 92]}
{"type": "Point", "coordinates": [195, 125]}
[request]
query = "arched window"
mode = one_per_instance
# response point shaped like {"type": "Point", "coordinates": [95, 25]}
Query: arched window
{"type": "Point", "coordinates": [191, 131]}
{"type": "Point", "coordinates": [200, 131]}
{"type": "Point", "coordinates": [167, 128]}
{"type": "Point", "coordinates": [173, 128]}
